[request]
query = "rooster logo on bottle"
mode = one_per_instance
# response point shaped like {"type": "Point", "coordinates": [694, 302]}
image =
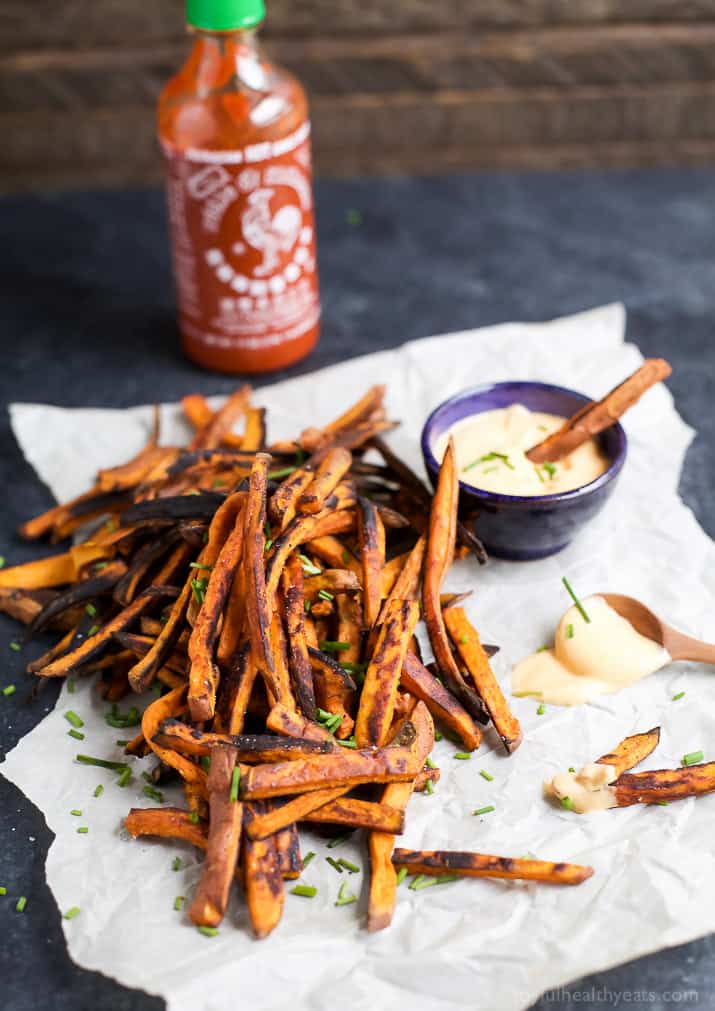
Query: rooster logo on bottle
{"type": "Point", "coordinates": [269, 233]}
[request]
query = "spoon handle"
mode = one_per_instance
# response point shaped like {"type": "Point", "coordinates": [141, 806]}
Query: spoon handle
{"type": "Point", "coordinates": [683, 647]}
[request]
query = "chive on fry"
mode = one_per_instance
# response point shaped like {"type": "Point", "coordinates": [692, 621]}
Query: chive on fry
{"type": "Point", "coordinates": [98, 790]}
{"type": "Point", "coordinates": [350, 868]}
{"type": "Point", "coordinates": [277, 475]}
{"type": "Point", "coordinates": [102, 763]}
{"type": "Point", "coordinates": [484, 810]}
{"type": "Point", "coordinates": [307, 891]}
{"type": "Point", "coordinates": [307, 858]}
{"type": "Point", "coordinates": [429, 763]}
{"type": "Point", "coordinates": [20, 904]}
{"type": "Point", "coordinates": [577, 602]}
{"type": "Point", "coordinates": [678, 696]}
{"type": "Point", "coordinates": [486, 775]}
{"type": "Point", "coordinates": [438, 735]}
{"type": "Point", "coordinates": [235, 783]}
{"type": "Point", "coordinates": [349, 742]}
{"type": "Point", "coordinates": [463, 639]}
{"type": "Point", "coordinates": [692, 758]}
{"type": "Point", "coordinates": [541, 709]}
{"type": "Point", "coordinates": [329, 646]}
{"type": "Point", "coordinates": [153, 794]}
{"type": "Point", "coordinates": [9, 690]}
{"type": "Point", "coordinates": [77, 734]}
{"type": "Point", "coordinates": [178, 903]}
{"type": "Point", "coordinates": [345, 898]}
{"type": "Point", "coordinates": [72, 913]}
{"type": "Point", "coordinates": [308, 568]}
{"type": "Point", "coordinates": [569, 631]}
{"type": "Point", "coordinates": [208, 931]}
{"type": "Point", "coordinates": [463, 756]}
{"type": "Point", "coordinates": [340, 839]}
{"type": "Point", "coordinates": [194, 817]}
{"type": "Point", "coordinates": [401, 875]}
{"type": "Point", "coordinates": [325, 595]}
{"type": "Point", "coordinates": [334, 864]}
{"type": "Point", "coordinates": [74, 719]}
{"type": "Point", "coordinates": [429, 787]}
{"type": "Point", "coordinates": [567, 803]}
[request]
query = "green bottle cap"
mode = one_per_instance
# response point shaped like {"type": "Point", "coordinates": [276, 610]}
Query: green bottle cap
{"type": "Point", "coordinates": [224, 15]}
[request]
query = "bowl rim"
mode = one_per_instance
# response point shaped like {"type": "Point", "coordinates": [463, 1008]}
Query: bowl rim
{"type": "Point", "coordinates": [474, 392]}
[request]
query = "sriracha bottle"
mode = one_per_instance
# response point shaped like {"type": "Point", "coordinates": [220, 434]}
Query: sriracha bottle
{"type": "Point", "coordinates": [235, 133]}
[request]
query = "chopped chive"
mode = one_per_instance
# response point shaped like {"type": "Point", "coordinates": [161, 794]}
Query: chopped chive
{"type": "Point", "coordinates": [74, 719]}
{"type": "Point", "coordinates": [416, 882]}
{"type": "Point", "coordinates": [429, 763]}
{"type": "Point", "coordinates": [102, 763]}
{"type": "Point", "coordinates": [692, 758]}
{"type": "Point", "coordinates": [463, 639]}
{"type": "Point", "coordinates": [153, 794]}
{"type": "Point", "coordinates": [99, 566]}
{"type": "Point", "coordinates": [208, 931]}
{"type": "Point", "coordinates": [577, 602]}
{"type": "Point", "coordinates": [98, 790]}
{"type": "Point", "coordinates": [488, 457]}
{"type": "Point", "coordinates": [76, 813]}
{"type": "Point", "coordinates": [438, 735]}
{"type": "Point", "coordinates": [571, 768]}
{"type": "Point", "coordinates": [528, 695]}
{"type": "Point", "coordinates": [3, 890]}
{"type": "Point", "coordinates": [306, 606]}
{"type": "Point", "coordinates": [235, 783]}
{"type": "Point", "coordinates": [268, 544]}
{"type": "Point", "coordinates": [662, 803]}
{"type": "Point", "coordinates": [121, 743]}
{"type": "Point", "coordinates": [351, 868]}
{"type": "Point", "coordinates": [567, 803]}
{"type": "Point", "coordinates": [71, 913]}
{"type": "Point", "coordinates": [550, 468]}
{"type": "Point", "coordinates": [277, 475]}
{"type": "Point", "coordinates": [325, 595]}
{"type": "Point", "coordinates": [353, 668]}
{"type": "Point", "coordinates": [353, 217]}
{"type": "Point", "coordinates": [178, 903]}
{"type": "Point", "coordinates": [307, 891]}
{"type": "Point", "coordinates": [20, 904]}
{"type": "Point", "coordinates": [9, 690]}
{"type": "Point", "coordinates": [349, 742]}
{"type": "Point", "coordinates": [77, 734]}
{"type": "Point", "coordinates": [346, 556]}
{"type": "Point", "coordinates": [15, 646]}
{"type": "Point", "coordinates": [82, 830]}
{"type": "Point", "coordinates": [308, 568]}
{"type": "Point", "coordinates": [486, 775]}
{"type": "Point", "coordinates": [125, 777]}
{"type": "Point", "coordinates": [307, 858]}
{"type": "Point", "coordinates": [92, 631]}
{"type": "Point", "coordinates": [538, 473]}
{"type": "Point", "coordinates": [340, 839]}
{"type": "Point", "coordinates": [91, 610]}
{"type": "Point", "coordinates": [334, 864]}
{"type": "Point", "coordinates": [541, 709]}
{"type": "Point", "coordinates": [194, 817]}
{"type": "Point", "coordinates": [205, 762]}
{"type": "Point", "coordinates": [463, 756]}
{"type": "Point", "coordinates": [330, 646]}
{"type": "Point", "coordinates": [445, 879]}
{"type": "Point", "coordinates": [401, 875]}
{"type": "Point", "coordinates": [569, 631]}
{"type": "Point", "coordinates": [71, 686]}
{"type": "Point", "coordinates": [429, 787]}
{"type": "Point", "coordinates": [345, 898]}
{"type": "Point", "coordinates": [199, 565]}
{"type": "Point", "coordinates": [218, 483]}
{"type": "Point", "coordinates": [484, 810]}
{"type": "Point", "coordinates": [176, 864]}
{"type": "Point", "coordinates": [2, 561]}
{"type": "Point", "coordinates": [157, 689]}
{"type": "Point", "coordinates": [678, 696]}
{"type": "Point", "coordinates": [489, 470]}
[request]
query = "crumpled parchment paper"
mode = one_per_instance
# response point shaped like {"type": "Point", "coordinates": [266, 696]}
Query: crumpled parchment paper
{"type": "Point", "coordinates": [475, 944]}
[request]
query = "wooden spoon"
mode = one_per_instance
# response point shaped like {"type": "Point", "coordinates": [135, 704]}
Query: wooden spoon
{"type": "Point", "coordinates": [679, 645]}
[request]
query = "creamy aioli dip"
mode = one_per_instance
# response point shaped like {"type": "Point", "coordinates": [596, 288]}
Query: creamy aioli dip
{"type": "Point", "coordinates": [588, 659]}
{"type": "Point", "coordinates": [491, 453]}
{"type": "Point", "coordinates": [587, 790]}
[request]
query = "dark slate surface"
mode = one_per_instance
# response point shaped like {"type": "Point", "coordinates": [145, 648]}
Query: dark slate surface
{"type": "Point", "coordinates": [87, 319]}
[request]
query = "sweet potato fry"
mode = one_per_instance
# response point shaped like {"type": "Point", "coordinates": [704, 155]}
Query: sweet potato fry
{"type": "Point", "coordinates": [145, 669]}
{"type": "Point", "coordinates": [45, 572]}
{"type": "Point", "coordinates": [204, 674]}
{"type": "Point", "coordinates": [214, 432]}
{"type": "Point", "coordinates": [332, 468]}
{"type": "Point", "coordinates": [407, 584]}
{"type": "Point", "coordinates": [438, 558]}
{"type": "Point", "coordinates": [334, 689]}
{"type": "Point", "coordinates": [226, 814]}
{"type": "Point", "coordinates": [379, 692]}
{"type": "Point", "coordinates": [314, 438]}
{"type": "Point", "coordinates": [86, 590]}
{"type": "Point", "coordinates": [371, 534]}
{"type": "Point", "coordinates": [466, 639]}
{"type": "Point", "coordinates": [334, 553]}
{"type": "Point", "coordinates": [631, 751]}
{"type": "Point", "coordinates": [348, 768]}
{"type": "Point", "coordinates": [284, 500]}
{"type": "Point", "coordinates": [199, 414]}
{"type": "Point", "coordinates": [332, 581]}
{"type": "Point", "coordinates": [248, 748]}
{"type": "Point", "coordinates": [349, 629]}
{"type": "Point", "coordinates": [664, 784]}
{"type": "Point", "coordinates": [261, 825]}
{"type": "Point", "coordinates": [254, 433]}
{"type": "Point", "coordinates": [481, 865]}
{"type": "Point", "coordinates": [172, 704]}
{"type": "Point", "coordinates": [301, 671]}
{"type": "Point", "coordinates": [262, 883]}
{"type": "Point", "coordinates": [359, 814]}
{"type": "Point", "coordinates": [25, 605]}
{"type": "Point", "coordinates": [383, 879]}
{"type": "Point", "coordinates": [168, 823]}
{"type": "Point", "coordinates": [288, 722]}
{"type": "Point", "coordinates": [288, 851]}
{"type": "Point", "coordinates": [236, 688]}
{"type": "Point", "coordinates": [442, 704]}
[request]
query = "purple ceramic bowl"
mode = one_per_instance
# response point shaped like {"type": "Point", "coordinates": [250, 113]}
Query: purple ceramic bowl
{"type": "Point", "coordinates": [517, 526]}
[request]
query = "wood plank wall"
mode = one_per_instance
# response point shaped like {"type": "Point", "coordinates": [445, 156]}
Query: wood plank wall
{"type": "Point", "coordinates": [416, 86]}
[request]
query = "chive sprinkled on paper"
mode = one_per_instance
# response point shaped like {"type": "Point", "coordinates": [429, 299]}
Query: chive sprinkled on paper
{"type": "Point", "coordinates": [541, 709]}
{"type": "Point", "coordinates": [486, 775]}
{"type": "Point", "coordinates": [98, 790]}
{"type": "Point", "coordinates": [438, 735]}
{"type": "Point", "coordinates": [176, 864]}
{"type": "Point", "coordinates": [692, 758]}
{"type": "Point", "coordinates": [401, 875]}
{"type": "Point", "coordinates": [307, 858]}
{"type": "Point", "coordinates": [429, 787]}
{"type": "Point", "coordinates": [571, 768]}
{"type": "Point", "coordinates": [208, 931]}
{"type": "Point", "coordinates": [307, 891]}
{"type": "Point", "coordinates": [178, 903]}
{"type": "Point", "coordinates": [153, 794]}
{"type": "Point", "coordinates": [349, 867]}
{"type": "Point", "coordinates": [340, 839]}
{"type": "Point", "coordinates": [463, 756]}
{"type": "Point", "coordinates": [72, 913]}
{"type": "Point", "coordinates": [76, 813]}
{"type": "Point", "coordinates": [82, 830]}
{"type": "Point", "coordinates": [484, 810]}
{"type": "Point", "coordinates": [9, 690]}
{"type": "Point", "coordinates": [577, 602]}
{"type": "Point", "coordinates": [76, 734]}
{"type": "Point", "coordinates": [102, 763]}
{"type": "Point", "coordinates": [334, 864]}
{"type": "Point", "coordinates": [125, 777]}
{"type": "Point", "coordinates": [678, 696]}
{"type": "Point", "coordinates": [71, 686]}
{"type": "Point", "coordinates": [567, 803]}
{"type": "Point", "coordinates": [345, 898]}
{"type": "Point", "coordinates": [20, 904]}
{"type": "Point", "coordinates": [74, 719]}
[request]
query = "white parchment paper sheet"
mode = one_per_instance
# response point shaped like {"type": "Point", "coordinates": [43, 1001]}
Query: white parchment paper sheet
{"type": "Point", "coordinates": [473, 944]}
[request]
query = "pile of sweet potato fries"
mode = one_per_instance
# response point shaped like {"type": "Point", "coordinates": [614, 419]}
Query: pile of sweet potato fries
{"type": "Point", "coordinates": [269, 597]}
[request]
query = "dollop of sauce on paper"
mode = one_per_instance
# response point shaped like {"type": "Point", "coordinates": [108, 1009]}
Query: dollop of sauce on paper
{"type": "Point", "coordinates": [585, 790]}
{"type": "Point", "coordinates": [491, 452]}
{"type": "Point", "coordinates": [588, 659]}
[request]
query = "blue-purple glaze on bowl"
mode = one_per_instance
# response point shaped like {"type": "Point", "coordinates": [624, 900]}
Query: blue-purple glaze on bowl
{"type": "Point", "coordinates": [519, 527]}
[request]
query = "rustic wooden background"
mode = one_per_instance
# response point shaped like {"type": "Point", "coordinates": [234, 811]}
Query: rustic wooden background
{"type": "Point", "coordinates": [411, 86]}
